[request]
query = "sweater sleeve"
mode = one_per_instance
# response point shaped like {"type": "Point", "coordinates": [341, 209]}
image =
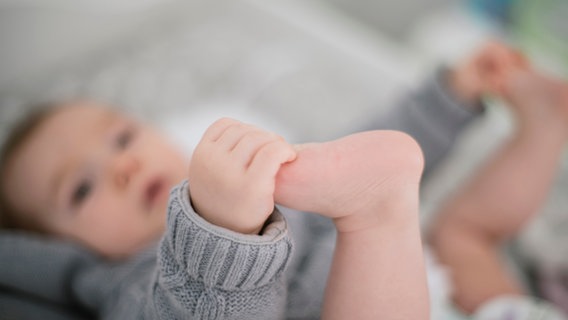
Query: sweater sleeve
{"type": "Point", "coordinates": [208, 272]}
{"type": "Point", "coordinates": [432, 115]}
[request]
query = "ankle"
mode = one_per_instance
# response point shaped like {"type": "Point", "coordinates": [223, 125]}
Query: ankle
{"type": "Point", "coordinates": [553, 131]}
{"type": "Point", "coordinates": [398, 209]}
{"type": "Point", "coordinates": [397, 200]}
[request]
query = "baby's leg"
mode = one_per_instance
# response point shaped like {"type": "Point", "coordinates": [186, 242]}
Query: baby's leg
{"type": "Point", "coordinates": [368, 183]}
{"type": "Point", "coordinates": [505, 193]}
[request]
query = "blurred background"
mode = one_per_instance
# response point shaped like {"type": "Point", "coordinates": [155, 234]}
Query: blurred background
{"type": "Point", "coordinates": [38, 36]}
{"type": "Point", "coordinates": [42, 42]}
{"type": "Point", "coordinates": [309, 69]}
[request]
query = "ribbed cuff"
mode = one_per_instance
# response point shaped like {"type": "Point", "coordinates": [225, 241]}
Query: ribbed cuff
{"type": "Point", "coordinates": [217, 256]}
{"type": "Point", "coordinates": [440, 81]}
{"type": "Point", "coordinates": [452, 111]}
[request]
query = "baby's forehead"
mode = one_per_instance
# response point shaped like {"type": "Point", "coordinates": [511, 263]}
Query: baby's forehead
{"type": "Point", "coordinates": [55, 123]}
{"type": "Point", "coordinates": [72, 124]}
{"type": "Point", "coordinates": [87, 111]}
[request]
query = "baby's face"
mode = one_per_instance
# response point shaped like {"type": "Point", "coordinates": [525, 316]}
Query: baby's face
{"type": "Point", "coordinates": [92, 175]}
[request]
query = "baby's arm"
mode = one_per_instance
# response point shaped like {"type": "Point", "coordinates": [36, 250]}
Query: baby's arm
{"type": "Point", "coordinates": [438, 110]}
{"type": "Point", "coordinates": [224, 253]}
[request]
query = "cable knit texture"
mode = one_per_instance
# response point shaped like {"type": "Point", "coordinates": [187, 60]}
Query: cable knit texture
{"type": "Point", "coordinates": [214, 273]}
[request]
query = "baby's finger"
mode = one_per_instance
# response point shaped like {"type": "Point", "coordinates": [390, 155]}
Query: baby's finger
{"type": "Point", "coordinates": [493, 61]}
{"type": "Point", "coordinates": [250, 144]}
{"type": "Point", "coordinates": [267, 161]}
{"type": "Point", "coordinates": [496, 58]}
{"type": "Point", "coordinates": [215, 130]}
{"type": "Point", "coordinates": [233, 134]}
{"type": "Point", "coordinates": [497, 65]}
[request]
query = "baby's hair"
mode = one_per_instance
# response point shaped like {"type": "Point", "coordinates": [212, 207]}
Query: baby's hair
{"type": "Point", "coordinates": [17, 136]}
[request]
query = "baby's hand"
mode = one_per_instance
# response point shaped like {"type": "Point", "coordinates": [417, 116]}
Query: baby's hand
{"type": "Point", "coordinates": [485, 71]}
{"type": "Point", "coordinates": [232, 174]}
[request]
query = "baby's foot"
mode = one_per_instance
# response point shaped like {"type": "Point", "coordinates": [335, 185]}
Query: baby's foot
{"type": "Point", "coordinates": [366, 175]}
{"type": "Point", "coordinates": [538, 101]}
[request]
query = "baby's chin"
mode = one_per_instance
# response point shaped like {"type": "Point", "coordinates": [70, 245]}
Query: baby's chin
{"type": "Point", "coordinates": [144, 243]}
{"type": "Point", "coordinates": [159, 219]}
{"type": "Point", "coordinates": [146, 240]}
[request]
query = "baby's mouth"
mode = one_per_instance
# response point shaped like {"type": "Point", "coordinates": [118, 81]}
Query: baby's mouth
{"type": "Point", "coordinates": [154, 190]}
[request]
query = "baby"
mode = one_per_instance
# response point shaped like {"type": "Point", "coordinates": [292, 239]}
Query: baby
{"type": "Point", "coordinates": [106, 186]}
{"type": "Point", "coordinates": [84, 173]}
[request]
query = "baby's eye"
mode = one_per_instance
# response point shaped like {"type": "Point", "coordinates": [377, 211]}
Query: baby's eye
{"type": "Point", "coordinates": [81, 193]}
{"type": "Point", "coordinates": [124, 138]}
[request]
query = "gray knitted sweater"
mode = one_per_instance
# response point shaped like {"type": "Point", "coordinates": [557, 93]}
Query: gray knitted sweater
{"type": "Point", "coordinates": [201, 271]}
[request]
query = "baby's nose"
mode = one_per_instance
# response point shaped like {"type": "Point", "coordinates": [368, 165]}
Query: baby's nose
{"type": "Point", "coordinates": [125, 166]}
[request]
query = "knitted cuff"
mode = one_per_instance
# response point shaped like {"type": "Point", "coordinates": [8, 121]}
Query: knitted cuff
{"type": "Point", "coordinates": [453, 111]}
{"type": "Point", "coordinates": [219, 257]}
